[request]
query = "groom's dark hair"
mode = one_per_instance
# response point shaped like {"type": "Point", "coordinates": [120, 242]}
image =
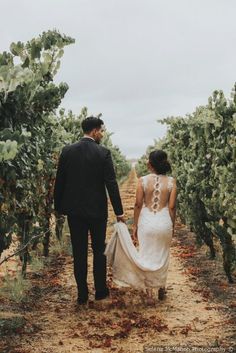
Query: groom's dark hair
{"type": "Point", "coordinates": [91, 123]}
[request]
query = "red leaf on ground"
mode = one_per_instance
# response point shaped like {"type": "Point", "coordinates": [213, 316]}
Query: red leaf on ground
{"type": "Point", "coordinates": [193, 271]}
{"type": "Point", "coordinates": [185, 255]}
{"type": "Point", "coordinates": [185, 330]}
{"type": "Point", "coordinates": [208, 308]}
{"type": "Point", "coordinates": [107, 342]}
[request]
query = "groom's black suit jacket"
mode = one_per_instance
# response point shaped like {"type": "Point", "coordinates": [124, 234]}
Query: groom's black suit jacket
{"type": "Point", "coordinates": [84, 172]}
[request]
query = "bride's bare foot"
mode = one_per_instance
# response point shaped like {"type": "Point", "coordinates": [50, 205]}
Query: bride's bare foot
{"type": "Point", "coordinates": [150, 296]}
{"type": "Point", "coordinates": [151, 301]}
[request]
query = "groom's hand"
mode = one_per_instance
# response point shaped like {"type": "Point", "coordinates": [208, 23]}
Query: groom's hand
{"type": "Point", "coordinates": [57, 214]}
{"type": "Point", "coordinates": [120, 218]}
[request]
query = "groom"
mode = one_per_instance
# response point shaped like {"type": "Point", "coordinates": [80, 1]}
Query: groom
{"type": "Point", "coordinates": [85, 171]}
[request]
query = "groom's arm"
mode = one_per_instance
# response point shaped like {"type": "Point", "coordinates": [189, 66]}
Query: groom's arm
{"type": "Point", "coordinates": [59, 182]}
{"type": "Point", "coordinates": [111, 185]}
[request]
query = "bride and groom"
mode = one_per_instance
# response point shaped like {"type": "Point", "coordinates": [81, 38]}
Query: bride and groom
{"type": "Point", "coordinates": [85, 170]}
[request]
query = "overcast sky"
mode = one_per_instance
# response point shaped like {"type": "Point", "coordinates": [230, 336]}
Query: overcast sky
{"type": "Point", "coordinates": [134, 61]}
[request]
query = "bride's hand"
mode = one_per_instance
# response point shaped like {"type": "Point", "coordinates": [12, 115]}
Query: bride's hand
{"type": "Point", "coordinates": [135, 234]}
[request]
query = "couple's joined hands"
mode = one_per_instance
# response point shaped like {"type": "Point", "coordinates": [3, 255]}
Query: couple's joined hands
{"type": "Point", "coordinates": [120, 219]}
{"type": "Point", "coordinates": [134, 232]}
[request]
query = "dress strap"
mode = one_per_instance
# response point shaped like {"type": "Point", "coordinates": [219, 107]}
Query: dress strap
{"type": "Point", "coordinates": [170, 183]}
{"type": "Point", "coordinates": [144, 182]}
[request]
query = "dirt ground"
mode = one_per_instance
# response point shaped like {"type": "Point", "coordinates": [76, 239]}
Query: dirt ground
{"type": "Point", "coordinates": [199, 310]}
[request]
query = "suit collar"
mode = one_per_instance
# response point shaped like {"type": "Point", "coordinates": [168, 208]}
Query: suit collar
{"type": "Point", "coordinates": [87, 138]}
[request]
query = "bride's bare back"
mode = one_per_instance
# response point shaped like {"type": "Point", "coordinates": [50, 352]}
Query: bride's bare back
{"type": "Point", "coordinates": [156, 191]}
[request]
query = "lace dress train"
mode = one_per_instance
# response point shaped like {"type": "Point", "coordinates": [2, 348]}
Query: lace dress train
{"type": "Point", "coordinates": [146, 267]}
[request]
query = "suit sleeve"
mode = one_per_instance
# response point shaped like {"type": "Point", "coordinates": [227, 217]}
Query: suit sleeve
{"type": "Point", "coordinates": [59, 182]}
{"type": "Point", "coordinates": [111, 185]}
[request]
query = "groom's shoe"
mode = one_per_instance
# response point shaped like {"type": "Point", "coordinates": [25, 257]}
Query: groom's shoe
{"type": "Point", "coordinates": [102, 294]}
{"type": "Point", "coordinates": [161, 293]}
{"type": "Point", "coordinates": [82, 297]}
{"type": "Point", "coordinates": [82, 300]}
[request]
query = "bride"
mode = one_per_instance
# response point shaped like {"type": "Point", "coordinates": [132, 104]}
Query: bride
{"type": "Point", "coordinates": [154, 219]}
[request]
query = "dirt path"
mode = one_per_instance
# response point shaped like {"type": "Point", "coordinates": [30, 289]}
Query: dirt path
{"type": "Point", "coordinates": [124, 323]}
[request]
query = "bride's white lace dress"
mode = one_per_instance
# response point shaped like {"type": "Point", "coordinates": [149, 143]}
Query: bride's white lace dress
{"type": "Point", "coordinates": [146, 267]}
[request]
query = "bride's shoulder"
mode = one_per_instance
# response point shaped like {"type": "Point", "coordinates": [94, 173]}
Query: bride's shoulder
{"type": "Point", "coordinates": [143, 180]}
{"type": "Point", "coordinates": [144, 176]}
{"type": "Point", "coordinates": [171, 182]}
{"type": "Point", "coordinates": [171, 178]}
{"type": "Point", "coordinates": [149, 175]}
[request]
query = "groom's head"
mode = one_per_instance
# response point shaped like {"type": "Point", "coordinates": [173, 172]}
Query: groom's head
{"type": "Point", "coordinates": [93, 127]}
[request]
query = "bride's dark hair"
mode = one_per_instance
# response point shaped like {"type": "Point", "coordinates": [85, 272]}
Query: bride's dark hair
{"type": "Point", "coordinates": [158, 160]}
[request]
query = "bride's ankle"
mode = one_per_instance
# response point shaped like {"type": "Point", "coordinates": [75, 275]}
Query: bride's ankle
{"type": "Point", "coordinates": [149, 292]}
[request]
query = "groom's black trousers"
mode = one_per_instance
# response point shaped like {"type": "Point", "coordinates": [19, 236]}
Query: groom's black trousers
{"type": "Point", "coordinates": [79, 229]}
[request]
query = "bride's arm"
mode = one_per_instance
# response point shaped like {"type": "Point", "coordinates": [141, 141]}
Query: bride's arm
{"type": "Point", "coordinates": [172, 203]}
{"type": "Point", "coordinates": [138, 206]}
